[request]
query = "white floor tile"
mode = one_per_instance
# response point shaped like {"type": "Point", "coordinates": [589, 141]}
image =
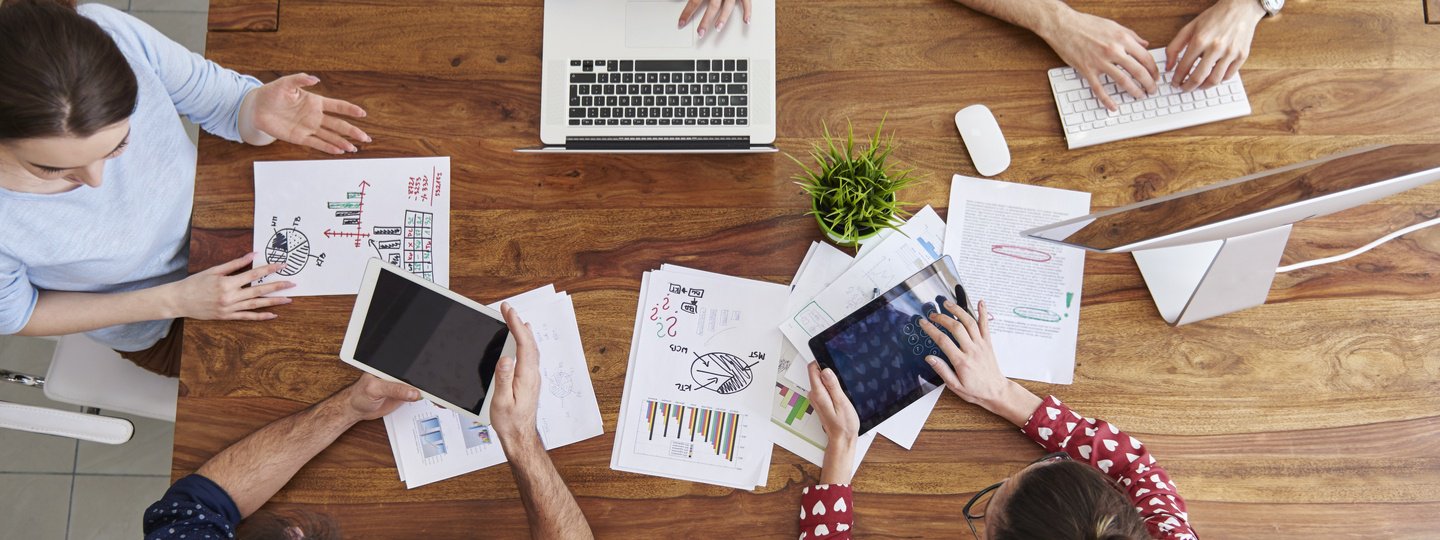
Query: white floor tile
{"type": "Point", "coordinates": [36, 506]}
{"type": "Point", "coordinates": [32, 452]}
{"type": "Point", "coordinates": [105, 507]}
{"type": "Point", "coordinates": [186, 28]}
{"type": "Point", "coordinates": [147, 453]}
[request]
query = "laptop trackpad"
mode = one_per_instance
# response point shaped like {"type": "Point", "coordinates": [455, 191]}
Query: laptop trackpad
{"type": "Point", "coordinates": [652, 24]}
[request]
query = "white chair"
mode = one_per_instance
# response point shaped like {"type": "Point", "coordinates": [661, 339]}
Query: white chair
{"type": "Point", "coordinates": [91, 375]}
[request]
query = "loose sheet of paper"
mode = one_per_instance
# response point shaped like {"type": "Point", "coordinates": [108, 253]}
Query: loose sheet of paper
{"type": "Point", "coordinates": [883, 266]}
{"type": "Point", "coordinates": [1030, 288]}
{"type": "Point", "coordinates": [325, 219]}
{"type": "Point", "coordinates": [431, 443]}
{"type": "Point", "coordinates": [697, 391]}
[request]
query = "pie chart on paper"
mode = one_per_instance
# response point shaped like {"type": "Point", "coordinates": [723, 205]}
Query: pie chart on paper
{"type": "Point", "coordinates": [722, 372]}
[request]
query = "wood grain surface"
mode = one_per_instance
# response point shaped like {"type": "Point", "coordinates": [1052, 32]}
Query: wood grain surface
{"type": "Point", "coordinates": [244, 15]}
{"type": "Point", "coordinates": [1432, 11]}
{"type": "Point", "coordinates": [1313, 416]}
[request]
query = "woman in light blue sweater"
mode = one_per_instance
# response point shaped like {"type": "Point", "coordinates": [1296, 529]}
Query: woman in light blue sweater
{"type": "Point", "coordinates": [97, 176]}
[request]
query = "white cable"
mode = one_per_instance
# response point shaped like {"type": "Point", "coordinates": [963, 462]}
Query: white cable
{"type": "Point", "coordinates": [1363, 249]}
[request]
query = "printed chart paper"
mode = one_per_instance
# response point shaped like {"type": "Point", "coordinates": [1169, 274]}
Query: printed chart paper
{"type": "Point", "coordinates": [697, 395]}
{"type": "Point", "coordinates": [326, 219]}
{"type": "Point", "coordinates": [431, 443]}
{"type": "Point", "coordinates": [1030, 288]}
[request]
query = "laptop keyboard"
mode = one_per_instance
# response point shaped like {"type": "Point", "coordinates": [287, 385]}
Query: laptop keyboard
{"type": "Point", "coordinates": [659, 92]}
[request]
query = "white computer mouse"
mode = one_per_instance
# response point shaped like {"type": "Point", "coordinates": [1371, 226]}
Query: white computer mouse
{"type": "Point", "coordinates": [983, 139]}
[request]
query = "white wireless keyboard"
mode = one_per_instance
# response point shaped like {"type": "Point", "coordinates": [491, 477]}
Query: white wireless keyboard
{"type": "Point", "coordinates": [1088, 123]}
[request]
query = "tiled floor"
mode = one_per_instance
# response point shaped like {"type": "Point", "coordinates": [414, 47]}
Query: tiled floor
{"type": "Point", "coordinates": [58, 488]}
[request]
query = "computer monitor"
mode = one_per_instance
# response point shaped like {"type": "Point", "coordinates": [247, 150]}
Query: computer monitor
{"type": "Point", "coordinates": [1214, 250]}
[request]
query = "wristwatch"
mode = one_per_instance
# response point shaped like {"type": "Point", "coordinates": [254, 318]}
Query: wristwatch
{"type": "Point", "coordinates": [1272, 7]}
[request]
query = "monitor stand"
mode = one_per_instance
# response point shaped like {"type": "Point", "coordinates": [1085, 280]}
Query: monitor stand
{"type": "Point", "coordinates": [1199, 281]}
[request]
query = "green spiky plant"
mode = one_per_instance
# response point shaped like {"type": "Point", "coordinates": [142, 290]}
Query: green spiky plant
{"type": "Point", "coordinates": [853, 192]}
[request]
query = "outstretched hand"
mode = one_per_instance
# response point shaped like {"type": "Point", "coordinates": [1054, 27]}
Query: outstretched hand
{"type": "Point", "coordinates": [284, 109]}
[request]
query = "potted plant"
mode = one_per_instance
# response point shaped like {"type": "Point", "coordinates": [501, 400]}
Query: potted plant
{"type": "Point", "coordinates": [853, 191]}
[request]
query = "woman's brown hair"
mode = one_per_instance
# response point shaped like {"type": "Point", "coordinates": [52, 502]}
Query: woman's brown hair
{"type": "Point", "coordinates": [64, 76]}
{"type": "Point", "coordinates": [1067, 500]}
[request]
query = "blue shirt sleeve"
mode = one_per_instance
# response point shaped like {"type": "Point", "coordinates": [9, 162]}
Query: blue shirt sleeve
{"type": "Point", "coordinates": [206, 93]}
{"type": "Point", "coordinates": [194, 508]}
{"type": "Point", "coordinates": [17, 296]}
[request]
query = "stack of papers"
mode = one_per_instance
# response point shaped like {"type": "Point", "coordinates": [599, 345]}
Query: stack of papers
{"type": "Point", "coordinates": [701, 375]}
{"type": "Point", "coordinates": [432, 443]}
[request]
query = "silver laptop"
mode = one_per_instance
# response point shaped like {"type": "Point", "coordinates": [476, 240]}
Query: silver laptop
{"type": "Point", "coordinates": [619, 76]}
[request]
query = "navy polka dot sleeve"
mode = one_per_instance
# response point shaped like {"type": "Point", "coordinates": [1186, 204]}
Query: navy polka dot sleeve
{"type": "Point", "coordinates": [195, 508]}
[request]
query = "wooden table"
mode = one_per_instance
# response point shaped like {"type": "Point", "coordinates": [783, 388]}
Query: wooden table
{"type": "Point", "coordinates": [1312, 416]}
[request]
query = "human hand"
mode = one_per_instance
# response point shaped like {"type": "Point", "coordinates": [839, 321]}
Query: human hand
{"type": "Point", "coordinates": [214, 294]}
{"type": "Point", "coordinates": [717, 12]}
{"type": "Point", "coordinates": [370, 398]}
{"type": "Point", "coordinates": [1096, 45]}
{"type": "Point", "coordinates": [517, 385]}
{"type": "Point", "coordinates": [285, 110]}
{"type": "Point", "coordinates": [1212, 47]}
{"type": "Point", "coordinates": [972, 372]}
{"type": "Point", "coordinates": [841, 424]}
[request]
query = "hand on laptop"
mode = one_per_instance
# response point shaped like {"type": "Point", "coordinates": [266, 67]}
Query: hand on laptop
{"type": "Point", "coordinates": [717, 13]}
{"type": "Point", "coordinates": [841, 423]}
{"type": "Point", "coordinates": [1096, 45]}
{"type": "Point", "coordinates": [1214, 45]}
{"type": "Point", "coordinates": [970, 368]}
{"type": "Point", "coordinates": [517, 386]}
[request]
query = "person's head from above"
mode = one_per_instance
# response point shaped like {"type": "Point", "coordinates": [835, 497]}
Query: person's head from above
{"type": "Point", "coordinates": [288, 525]}
{"type": "Point", "coordinates": [1055, 498]}
{"type": "Point", "coordinates": [65, 99]}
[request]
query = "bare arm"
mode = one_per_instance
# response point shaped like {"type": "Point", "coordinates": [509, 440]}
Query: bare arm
{"type": "Point", "coordinates": [252, 470]}
{"type": "Point", "coordinates": [59, 312]}
{"type": "Point", "coordinates": [209, 295]}
{"type": "Point", "coordinates": [551, 509]}
{"type": "Point", "coordinates": [1038, 16]}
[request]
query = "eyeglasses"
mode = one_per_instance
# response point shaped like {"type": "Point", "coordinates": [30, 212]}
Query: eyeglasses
{"type": "Point", "coordinates": [981, 500]}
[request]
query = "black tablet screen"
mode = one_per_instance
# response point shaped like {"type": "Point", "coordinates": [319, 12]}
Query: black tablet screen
{"type": "Point", "coordinates": [878, 352]}
{"type": "Point", "coordinates": [429, 341]}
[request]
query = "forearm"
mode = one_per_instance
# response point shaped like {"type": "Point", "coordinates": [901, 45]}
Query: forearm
{"type": "Point", "coordinates": [59, 312]}
{"type": "Point", "coordinates": [551, 509]}
{"type": "Point", "coordinates": [1039, 16]}
{"type": "Point", "coordinates": [1015, 403]}
{"type": "Point", "coordinates": [839, 462]}
{"type": "Point", "coordinates": [248, 132]}
{"type": "Point", "coordinates": [252, 470]}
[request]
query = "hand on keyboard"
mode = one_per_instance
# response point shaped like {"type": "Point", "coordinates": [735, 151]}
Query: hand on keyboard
{"type": "Point", "coordinates": [1212, 47]}
{"type": "Point", "coordinates": [717, 13]}
{"type": "Point", "coordinates": [1098, 46]}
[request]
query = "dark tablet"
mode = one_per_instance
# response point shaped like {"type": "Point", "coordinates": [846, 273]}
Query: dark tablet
{"type": "Point", "coordinates": [878, 352]}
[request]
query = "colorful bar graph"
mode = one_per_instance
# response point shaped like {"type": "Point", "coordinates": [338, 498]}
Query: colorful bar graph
{"type": "Point", "coordinates": [719, 429]}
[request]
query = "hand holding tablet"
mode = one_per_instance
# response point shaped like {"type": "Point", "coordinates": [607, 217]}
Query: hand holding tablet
{"type": "Point", "coordinates": [404, 328]}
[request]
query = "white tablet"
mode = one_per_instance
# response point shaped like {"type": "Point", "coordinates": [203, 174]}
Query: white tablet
{"type": "Point", "coordinates": [407, 329]}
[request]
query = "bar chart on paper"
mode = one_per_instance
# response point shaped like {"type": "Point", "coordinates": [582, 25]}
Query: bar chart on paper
{"type": "Point", "coordinates": [793, 412]}
{"type": "Point", "coordinates": [694, 434]}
